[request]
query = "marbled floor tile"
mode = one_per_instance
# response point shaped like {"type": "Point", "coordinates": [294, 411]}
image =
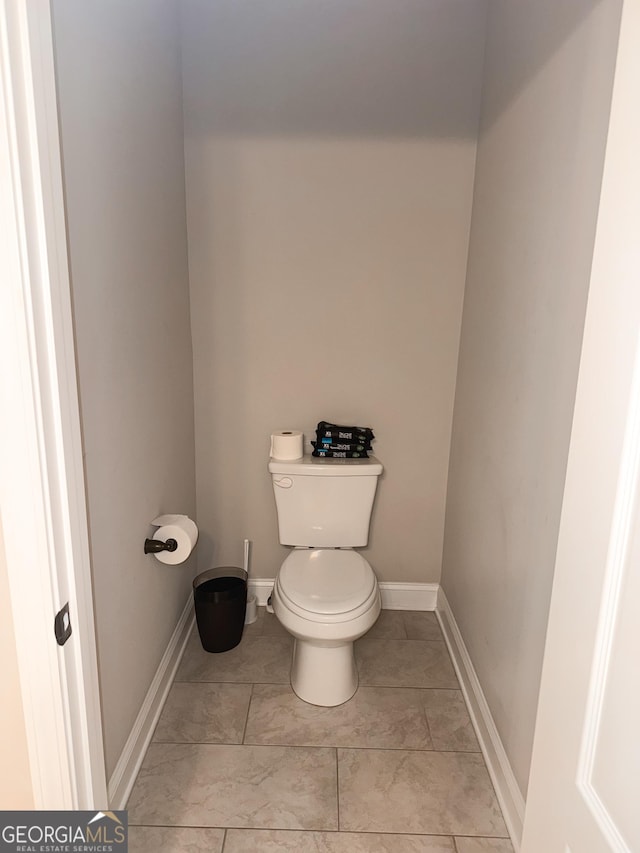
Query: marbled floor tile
{"type": "Point", "coordinates": [422, 625]}
{"type": "Point", "coordinates": [268, 787]}
{"type": "Point", "coordinates": [274, 841]}
{"type": "Point", "coordinates": [272, 627]}
{"type": "Point", "coordinates": [449, 721]}
{"type": "Point", "coordinates": [483, 845]}
{"type": "Point", "coordinates": [170, 839]}
{"type": "Point", "coordinates": [437, 793]}
{"type": "Point", "coordinates": [374, 717]}
{"type": "Point", "coordinates": [404, 663]}
{"type": "Point", "coordinates": [255, 628]}
{"type": "Point", "coordinates": [266, 625]}
{"type": "Point", "coordinates": [390, 625]}
{"type": "Point", "coordinates": [201, 712]}
{"type": "Point", "coordinates": [256, 659]}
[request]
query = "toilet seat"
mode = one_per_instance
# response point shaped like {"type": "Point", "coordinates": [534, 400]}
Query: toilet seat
{"type": "Point", "coordinates": [328, 585]}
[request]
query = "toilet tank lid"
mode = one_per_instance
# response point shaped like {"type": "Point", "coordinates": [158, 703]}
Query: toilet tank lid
{"type": "Point", "coordinates": [310, 466]}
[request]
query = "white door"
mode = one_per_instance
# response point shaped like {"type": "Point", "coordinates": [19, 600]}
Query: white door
{"type": "Point", "coordinates": [585, 775]}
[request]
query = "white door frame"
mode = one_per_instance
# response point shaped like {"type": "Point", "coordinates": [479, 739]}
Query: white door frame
{"type": "Point", "coordinates": [42, 492]}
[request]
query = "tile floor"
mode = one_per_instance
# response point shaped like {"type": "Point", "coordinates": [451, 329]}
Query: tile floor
{"type": "Point", "coordinates": [239, 764]}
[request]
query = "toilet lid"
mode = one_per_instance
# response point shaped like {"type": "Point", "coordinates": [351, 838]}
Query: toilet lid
{"type": "Point", "coordinates": [326, 580]}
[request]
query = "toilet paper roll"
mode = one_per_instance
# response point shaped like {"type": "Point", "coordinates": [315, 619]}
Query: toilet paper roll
{"type": "Point", "coordinates": [178, 527]}
{"type": "Point", "coordinates": [287, 444]}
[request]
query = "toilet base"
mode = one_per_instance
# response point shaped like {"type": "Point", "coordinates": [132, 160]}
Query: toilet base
{"type": "Point", "coordinates": [323, 673]}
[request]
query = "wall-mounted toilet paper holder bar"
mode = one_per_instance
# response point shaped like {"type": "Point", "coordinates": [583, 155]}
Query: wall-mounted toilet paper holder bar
{"type": "Point", "coordinates": [154, 546]}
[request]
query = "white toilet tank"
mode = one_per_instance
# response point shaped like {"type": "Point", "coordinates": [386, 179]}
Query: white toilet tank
{"type": "Point", "coordinates": [324, 503]}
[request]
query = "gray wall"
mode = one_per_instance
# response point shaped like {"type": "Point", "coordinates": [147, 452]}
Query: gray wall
{"type": "Point", "coordinates": [121, 123]}
{"type": "Point", "coordinates": [330, 150]}
{"type": "Point", "coordinates": [545, 111]}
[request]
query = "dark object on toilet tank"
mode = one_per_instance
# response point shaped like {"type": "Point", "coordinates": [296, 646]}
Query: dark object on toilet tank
{"type": "Point", "coordinates": [324, 451]}
{"type": "Point", "coordinates": [220, 597]}
{"type": "Point", "coordinates": [344, 433]}
{"type": "Point", "coordinates": [342, 442]}
{"type": "Point", "coordinates": [335, 444]}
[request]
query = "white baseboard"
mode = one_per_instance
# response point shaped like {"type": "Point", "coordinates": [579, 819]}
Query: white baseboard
{"type": "Point", "coordinates": [408, 596]}
{"type": "Point", "coordinates": [395, 596]}
{"type": "Point", "coordinates": [504, 781]}
{"type": "Point", "coordinates": [261, 588]}
{"type": "Point", "coordinates": [126, 770]}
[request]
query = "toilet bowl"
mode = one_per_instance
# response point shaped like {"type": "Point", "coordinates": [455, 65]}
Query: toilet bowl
{"type": "Point", "coordinates": [326, 598]}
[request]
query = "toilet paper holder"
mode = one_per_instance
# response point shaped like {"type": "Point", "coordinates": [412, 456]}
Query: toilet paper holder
{"type": "Point", "coordinates": [154, 546]}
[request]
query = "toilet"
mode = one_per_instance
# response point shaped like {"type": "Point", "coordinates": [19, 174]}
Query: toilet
{"type": "Point", "coordinates": [325, 594]}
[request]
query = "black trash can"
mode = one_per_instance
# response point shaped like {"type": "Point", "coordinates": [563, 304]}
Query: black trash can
{"type": "Point", "coordinates": [220, 597]}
